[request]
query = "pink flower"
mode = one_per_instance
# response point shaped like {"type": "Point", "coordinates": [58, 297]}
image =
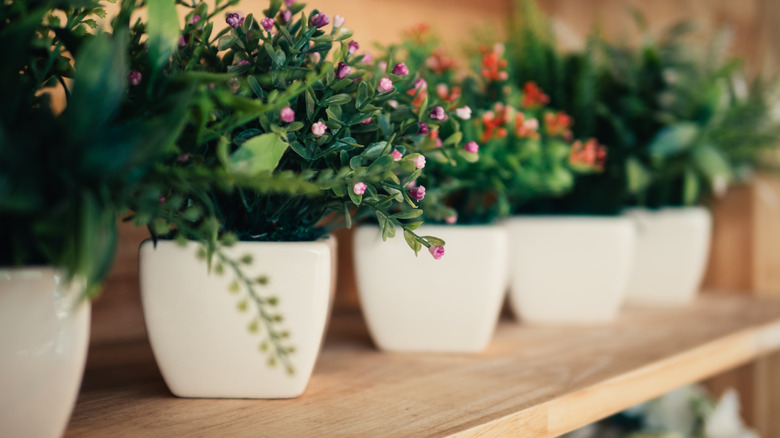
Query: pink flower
{"type": "Point", "coordinates": [419, 162]}
{"type": "Point", "coordinates": [289, 2]}
{"type": "Point", "coordinates": [464, 112]}
{"type": "Point", "coordinates": [134, 78]}
{"type": "Point", "coordinates": [359, 188]}
{"type": "Point", "coordinates": [353, 47]}
{"type": "Point", "coordinates": [183, 157]}
{"type": "Point", "coordinates": [396, 155]}
{"type": "Point", "coordinates": [417, 193]}
{"type": "Point", "coordinates": [234, 19]}
{"type": "Point", "coordinates": [267, 23]}
{"type": "Point", "coordinates": [315, 57]}
{"type": "Point", "coordinates": [420, 84]}
{"type": "Point", "coordinates": [286, 16]}
{"type": "Point", "coordinates": [342, 70]}
{"type": "Point", "coordinates": [438, 142]}
{"type": "Point", "coordinates": [367, 121]}
{"type": "Point", "coordinates": [243, 62]}
{"type": "Point", "coordinates": [393, 103]}
{"type": "Point", "coordinates": [194, 19]}
{"type": "Point", "coordinates": [162, 200]}
{"type": "Point", "coordinates": [423, 128]}
{"type": "Point", "coordinates": [182, 41]}
{"type": "Point", "coordinates": [318, 129]}
{"type": "Point", "coordinates": [438, 113]}
{"type": "Point", "coordinates": [436, 251]}
{"type": "Point", "coordinates": [367, 58]}
{"type": "Point", "coordinates": [287, 114]}
{"type": "Point", "coordinates": [385, 84]}
{"type": "Point", "coordinates": [338, 21]}
{"type": "Point", "coordinates": [471, 147]}
{"type": "Point", "coordinates": [401, 69]}
{"type": "Point", "coordinates": [451, 219]}
{"type": "Point", "coordinates": [319, 20]}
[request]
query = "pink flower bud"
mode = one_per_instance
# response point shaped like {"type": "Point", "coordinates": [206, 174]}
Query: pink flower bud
{"type": "Point", "coordinates": [367, 121]}
{"type": "Point", "coordinates": [436, 251]}
{"type": "Point", "coordinates": [367, 58]}
{"type": "Point", "coordinates": [243, 62]}
{"type": "Point", "coordinates": [318, 129]}
{"type": "Point", "coordinates": [382, 65]}
{"type": "Point", "coordinates": [401, 69]}
{"type": "Point", "coordinates": [316, 57]}
{"type": "Point", "coordinates": [438, 113]}
{"type": "Point", "coordinates": [182, 41]}
{"type": "Point", "coordinates": [393, 103]}
{"type": "Point", "coordinates": [342, 70]}
{"type": "Point", "coordinates": [471, 147]}
{"type": "Point", "coordinates": [417, 193]}
{"type": "Point", "coordinates": [419, 162]}
{"type": "Point", "coordinates": [134, 78]}
{"type": "Point", "coordinates": [464, 112]}
{"type": "Point", "coordinates": [385, 84]}
{"type": "Point", "coordinates": [353, 47]}
{"type": "Point", "coordinates": [267, 23]}
{"type": "Point", "coordinates": [359, 188]}
{"type": "Point", "coordinates": [451, 219]}
{"type": "Point", "coordinates": [194, 19]}
{"type": "Point", "coordinates": [338, 21]}
{"type": "Point", "coordinates": [423, 128]}
{"type": "Point", "coordinates": [287, 114]}
{"type": "Point", "coordinates": [162, 200]}
{"type": "Point", "coordinates": [286, 16]}
{"type": "Point", "coordinates": [183, 157]}
{"type": "Point", "coordinates": [234, 19]}
{"type": "Point", "coordinates": [420, 84]}
{"type": "Point", "coordinates": [289, 2]}
{"type": "Point", "coordinates": [396, 155]}
{"type": "Point", "coordinates": [319, 20]}
{"type": "Point", "coordinates": [438, 143]}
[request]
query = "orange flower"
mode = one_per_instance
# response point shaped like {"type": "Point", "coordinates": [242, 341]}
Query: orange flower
{"type": "Point", "coordinates": [493, 64]}
{"type": "Point", "coordinates": [558, 124]}
{"type": "Point", "coordinates": [533, 96]}
{"type": "Point", "coordinates": [591, 154]}
{"type": "Point", "coordinates": [494, 122]}
{"type": "Point", "coordinates": [449, 95]}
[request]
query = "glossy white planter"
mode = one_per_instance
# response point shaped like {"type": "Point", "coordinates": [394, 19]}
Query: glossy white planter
{"type": "Point", "coordinates": [201, 340]}
{"type": "Point", "coordinates": [421, 304]}
{"type": "Point", "coordinates": [569, 269]}
{"type": "Point", "coordinates": [671, 255]}
{"type": "Point", "coordinates": [43, 347]}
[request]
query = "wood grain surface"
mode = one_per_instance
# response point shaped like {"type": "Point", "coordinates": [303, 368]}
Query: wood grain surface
{"type": "Point", "coordinates": [531, 382]}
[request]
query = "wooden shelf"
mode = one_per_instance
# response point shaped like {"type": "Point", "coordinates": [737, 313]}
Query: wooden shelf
{"type": "Point", "coordinates": [531, 382]}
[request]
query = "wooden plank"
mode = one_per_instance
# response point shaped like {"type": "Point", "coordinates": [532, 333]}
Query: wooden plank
{"type": "Point", "coordinates": [532, 381]}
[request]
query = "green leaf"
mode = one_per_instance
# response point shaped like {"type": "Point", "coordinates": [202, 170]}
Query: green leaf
{"type": "Point", "coordinates": [338, 99]}
{"type": "Point", "coordinates": [412, 241]}
{"type": "Point", "coordinates": [258, 154]}
{"type": "Point", "coordinates": [674, 139]}
{"type": "Point", "coordinates": [711, 162]}
{"type": "Point", "coordinates": [637, 175]}
{"type": "Point", "coordinates": [163, 31]}
{"type": "Point", "coordinates": [255, 86]}
{"type": "Point", "coordinates": [434, 240]}
{"type": "Point", "coordinates": [411, 214]}
{"type": "Point", "coordinates": [454, 139]}
{"type": "Point", "coordinates": [691, 187]}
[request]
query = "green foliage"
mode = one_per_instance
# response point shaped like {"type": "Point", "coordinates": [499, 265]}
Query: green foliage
{"type": "Point", "coordinates": [680, 123]}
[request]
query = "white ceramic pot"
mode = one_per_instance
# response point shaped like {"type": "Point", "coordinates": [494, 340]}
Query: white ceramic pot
{"type": "Point", "coordinates": [569, 269]}
{"type": "Point", "coordinates": [421, 304]}
{"type": "Point", "coordinates": [45, 332]}
{"type": "Point", "coordinates": [671, 255]}
{"type": "Point", "coordinates": [200, 336]}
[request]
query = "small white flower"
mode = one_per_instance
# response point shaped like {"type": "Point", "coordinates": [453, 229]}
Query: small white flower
{"type": "Point", "coordinates": [464, 112]}
{"type": "Point", "coordinates": [338, 21]}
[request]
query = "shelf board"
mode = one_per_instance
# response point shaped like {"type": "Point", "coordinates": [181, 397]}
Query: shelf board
{"type": "Point", "coordinates": [531, 381]}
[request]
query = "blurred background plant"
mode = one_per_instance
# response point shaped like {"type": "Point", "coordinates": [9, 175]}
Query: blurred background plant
{"type": "Point", "coordinates": [680, 125]}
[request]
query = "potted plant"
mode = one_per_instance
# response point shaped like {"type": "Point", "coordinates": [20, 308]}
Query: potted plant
{"type": "Point", "coordinates": [447, 303]}
{"type": "Point", "coordinates": [63, 177]}
{"type": "Point", "coordinates": [678, 129]}
{"type": "Point", "coordinates": [299, 105]}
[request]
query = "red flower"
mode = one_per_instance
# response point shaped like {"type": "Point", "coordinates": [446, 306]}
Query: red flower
{"type": "Point", "coordinates": [439, 63]}
{"type": "Point", "coordinates": [493, 64]}
{"type": "Point", "coordinates": [493, 122]}
{"type": "Point", "coordinates": [591, 154]}
{"type": "Point", "coordinates": [533, 96]}
{"type": "Point", "coordinates": [558, 124]}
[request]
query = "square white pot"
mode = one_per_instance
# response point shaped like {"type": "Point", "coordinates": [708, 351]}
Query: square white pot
{"type": "Point", "coordinates": [45, 327]}
{"type": "Point", "coordinates": [569, 269]}
{"type": "Point", "coordinates": [201, 338]}
{"type": "Point", "coordinates": [671, 255]}
{"type": "Point", "coordinates": [421, 304]}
